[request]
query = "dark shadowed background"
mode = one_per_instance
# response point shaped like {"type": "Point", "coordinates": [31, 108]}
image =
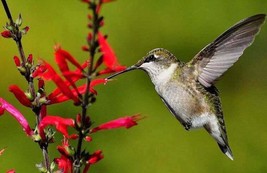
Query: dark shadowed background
{"type": "Point", "coordinates": [158, 144]}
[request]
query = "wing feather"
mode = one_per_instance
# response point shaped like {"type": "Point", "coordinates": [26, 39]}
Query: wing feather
{"type": "Point", "coordinates": [217, 57]}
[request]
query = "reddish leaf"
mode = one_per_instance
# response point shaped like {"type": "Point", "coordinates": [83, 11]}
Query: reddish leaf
{"type": "Point", "coordinates": [20, 95]}
{"type": "Point", "coordinates": [17, 115]}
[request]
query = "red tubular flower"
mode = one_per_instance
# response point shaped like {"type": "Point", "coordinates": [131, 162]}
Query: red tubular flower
{"type": "Point", "coordinates": [126, 122]}
{"type": "Point", "coordinates": [94, 158]}
{"type": "Point", "coordinates": [61, 125]}
{"type": "Point", "coordinates": [62, 57]}
{"type": "Point", "coordinates": [43, 111]}
{"type": "Point", "coordinates": [50, 74]}
{"type": "Point", "coordinates": [20, 95]}
{"type": "Point", "coordinates": [64, 164]}
{"type": "Point", "coordinates": [17, 61]}
{"type": "Point", "coordinates": [57, 97]}
{"type": "Point", "coordinates": [88, 139]}
{"type": "Point", "coordinates": [6, 34]}
{"type": "Point", "coordinates": [11, 171]}
{"type": "Point", "coordinates": [17, 115]}
{"type": "Point", "coordinates": [29, 59]}
{"type": "Point", "coordinates": [109, 57]}
{"type": "Point", "coordinates": [39, 70]}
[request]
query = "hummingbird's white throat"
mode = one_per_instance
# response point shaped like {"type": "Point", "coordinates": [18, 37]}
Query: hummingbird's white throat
{"type": "Point", "coordinates": [158, 74]}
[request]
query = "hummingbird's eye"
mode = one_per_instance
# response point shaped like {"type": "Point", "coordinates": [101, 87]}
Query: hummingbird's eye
{"type": "Point", "coordinates": [150, 58]}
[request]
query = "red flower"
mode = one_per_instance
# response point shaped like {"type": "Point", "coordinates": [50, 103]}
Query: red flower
{"type": "Point", "coordinates": [62, 57]}
{"type": "Point", "coordinates": [57, 97]}
{"type": "Point", "coordinates": [4, 105]}
{"type": "Point", "coordinates": [61, 125]}
{"type": "Point", "coordinates": [126, 122]}
{"type": "Point", "coordinates": [20, 95]}
{"type": "Point", "coordinates": [39, 70]}
{"type": "Point", "coordinates": [64, 149]}
{"type": "Point", "coordinates": [50, 74]}
{"type": "Point", "coordinates": [6, 34]}
{"type": "Point", "coordinates": [17, 61]}
{"type": "Point", "coordinates": [88, 138]}
{"type": "Point", "coordinates": [94, 158]}
{"type": "Point", "coordinates": [64, 164]}
{"type": "Point", "coordinates": [29, 59]}
{"type": "Point", "coordinates": [43, 111]}
{"type": "Point", "coordinates": [109, 57]}
{"type": "Point", "coordinates": [11, 171]}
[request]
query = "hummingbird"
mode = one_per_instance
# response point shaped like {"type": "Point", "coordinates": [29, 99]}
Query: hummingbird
{"type": "Point", "coordinates": [188, 90]}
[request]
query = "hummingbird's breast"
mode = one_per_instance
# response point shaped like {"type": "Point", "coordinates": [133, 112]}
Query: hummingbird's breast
{"type": "Point", "coordinates": [185, 101]}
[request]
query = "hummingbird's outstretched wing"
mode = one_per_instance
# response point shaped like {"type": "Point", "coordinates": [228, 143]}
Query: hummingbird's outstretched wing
{"type": "Point", "coordinates": [212, 61]}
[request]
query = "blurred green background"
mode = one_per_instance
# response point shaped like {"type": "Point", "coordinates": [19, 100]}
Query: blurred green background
{"type": "Point", "coordinates": [158, 144]}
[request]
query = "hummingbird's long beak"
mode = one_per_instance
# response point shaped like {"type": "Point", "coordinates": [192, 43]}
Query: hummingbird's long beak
{"type": "Point", "coordinates": [124, 71]}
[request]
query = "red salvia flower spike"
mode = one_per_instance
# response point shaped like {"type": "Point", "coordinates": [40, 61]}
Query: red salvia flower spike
{"type": "Point", "coordinates": [6, 34]}
{"type": "Point", "coordinates": [126, 122]}
{"type": "Point", "coordinates": [61, 124]}
{"type": "Point", "coordinates": [17, 61]}
{"type": "Point", "coordinates": [20, 95]}
{"type": "Point", "coordinates": [17, 115]}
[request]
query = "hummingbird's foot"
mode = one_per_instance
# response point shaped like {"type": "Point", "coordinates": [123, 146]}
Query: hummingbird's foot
{"type": "Point", "coordinates": [187, 125]}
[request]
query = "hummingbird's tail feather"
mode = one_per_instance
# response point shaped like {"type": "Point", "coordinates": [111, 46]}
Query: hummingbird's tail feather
{"type": "Point", "coordinates": [226, 150]}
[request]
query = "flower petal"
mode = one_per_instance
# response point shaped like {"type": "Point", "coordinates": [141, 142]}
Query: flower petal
{"type": "Point", "coordinates": [64, 164]}
{"type": "Point", "coordinates": [17, 115]}
{"type": "Point", "coordinates": [126, 122]}
{"type": "Point", "coordinates": [51, 74]}
{"type": "Point", "coordinates": [20, 95]}
{"type": "Point", "coordinates": [95, 157]}
{"type": "Point", "coordinates": [109, 56]}
{"type": "Point", "coordinates": [62, 57]}
{"type": "Point", "coordinates": [11, 171]}
{"type": "Point", "coordinates": [6, 34]}
{"type": "Point", "coordinates": [61, 124]}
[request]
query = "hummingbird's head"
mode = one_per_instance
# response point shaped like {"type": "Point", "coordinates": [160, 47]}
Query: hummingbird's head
{"type": "Point", "coordinates": [154, 63]}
